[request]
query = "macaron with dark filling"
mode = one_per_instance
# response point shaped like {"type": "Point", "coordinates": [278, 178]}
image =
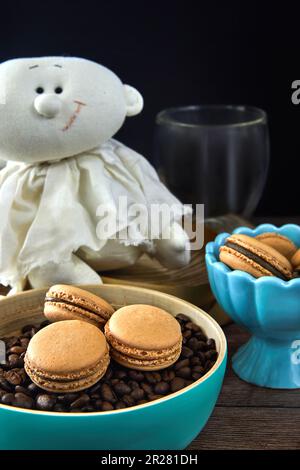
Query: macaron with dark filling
{"type": "Point", "coordinates": [254, 257]}
{"type": "Point", "coordinates": [296, 260]}
{"type": "Point", "coordinates": [279, 242]}
{"type": "Point", "coordinates": [144, 337]}
{"type": "Point", "coordinates": [67, 356]}
{"type": "Point", "coordinates": [64, 302]}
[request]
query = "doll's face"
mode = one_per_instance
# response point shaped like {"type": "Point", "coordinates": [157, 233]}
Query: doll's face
{"type": "Point", "coordinates": [56, 107]}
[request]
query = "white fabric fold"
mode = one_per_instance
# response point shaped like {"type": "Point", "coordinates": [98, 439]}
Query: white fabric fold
{"type": "Point", "coordinates": [50, 210]}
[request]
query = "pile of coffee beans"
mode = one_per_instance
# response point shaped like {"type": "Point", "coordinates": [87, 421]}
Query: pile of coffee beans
{"type": "Point", "coordinates": [119, 388]}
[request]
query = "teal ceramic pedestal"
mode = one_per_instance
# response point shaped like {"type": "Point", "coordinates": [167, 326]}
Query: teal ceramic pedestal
{"type": "Point", "coordinates": [268, 308]}
{"type": "Point", "coordinates": [269, 363]}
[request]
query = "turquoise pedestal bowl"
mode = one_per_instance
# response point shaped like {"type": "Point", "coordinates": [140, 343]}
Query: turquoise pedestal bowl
{"type": "Point", "coordinates": [171, 422]}
{"type": "Point", "coordinates": [267, 307]}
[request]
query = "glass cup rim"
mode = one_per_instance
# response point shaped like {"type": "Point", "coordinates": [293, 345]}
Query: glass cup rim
{"type": "Point", "coordinates": [164, 116]}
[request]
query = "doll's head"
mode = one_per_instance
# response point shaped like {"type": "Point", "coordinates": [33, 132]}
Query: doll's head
{"type": "Point", "coordinates": [56, 107]}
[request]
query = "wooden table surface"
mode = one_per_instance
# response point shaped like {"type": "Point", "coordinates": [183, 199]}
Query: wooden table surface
{"type": "Point", "coordinates": [250, 417]}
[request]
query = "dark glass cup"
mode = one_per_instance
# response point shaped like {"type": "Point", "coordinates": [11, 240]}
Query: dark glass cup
{"type": "Point", "coordinates": [214, 155]}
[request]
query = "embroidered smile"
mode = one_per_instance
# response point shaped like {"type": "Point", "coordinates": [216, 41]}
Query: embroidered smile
{"type": "Point", "coordinates": [74, 115]}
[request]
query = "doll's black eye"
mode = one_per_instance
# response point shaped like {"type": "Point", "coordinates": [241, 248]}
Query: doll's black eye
{"type": "Point", "coordinates": [58, 90]}
{"type": "Point", "coordinates": [39, 90]}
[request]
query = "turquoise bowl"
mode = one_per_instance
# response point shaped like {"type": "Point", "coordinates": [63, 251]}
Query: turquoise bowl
{"type": "Point", "coordinates": [171, 422]}
{"type": "Point", "coordinates": [267, 307]}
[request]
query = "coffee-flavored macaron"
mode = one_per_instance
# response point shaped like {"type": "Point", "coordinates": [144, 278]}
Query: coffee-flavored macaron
{"type": "Point", "coordinates": [296, 260]}
{"type": "Point", "coordinates": [144, 337]}
{"type": "Point", "coordinates": [67, 356]}
{"type": "Point", "coordinates": [279, 242]}
{"type": "Point", "coordinates": [254, 257]}
{"type": "Point", "coordinates": [64, 302]}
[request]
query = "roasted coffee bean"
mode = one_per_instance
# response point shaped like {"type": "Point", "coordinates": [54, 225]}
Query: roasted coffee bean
{"type": "Point", "coordinates": [146, 387]}
{"type": "Point", "coordinates": [161, 388]}
{"type": "Point", "coordinates": [142, 402]}
{"type": "Point", "coordinates": [133, 384]}
{"type": "Point", "coordinates": [106, 406]}
{"type": "Point", "coordinates": [107, 393]}
{"type": "Point", "coordinates": [5, 385]}
{"type": "Point", "coordinates": [167, 375]}
{"type": "Point", "coordinates": [23, 401]}
{"type": "Point", "coordinates": [95, 396]}
{"type": "Point", "coordinates": [98, 404]}
{"type": "Point", "coordinates": [197, 375]}
{"type": "Point", "coordinates": [114, 382]}
{"type": "Point", "coordinates": [177, 384]}
{"type": "Point", "coordinates": [27, 328]}
{"type": "Point", "coordinates": [153, 377]}
{"type": "Point", "coordinates": [27, 335]}
{"type": "Point", "coordinates": [95, 388]}
{"type": "Point", "coordinates": [138, 393]}
{"type": "Point", "coordinates": [211, 343]}
{"type": "Point", "coordinates": [120, 405]}
{"type": "Point", "coordinates": [80, 402]}
{"type": "Point", "coordinates": [192, 326]}
{"type": "Point", "coordinates": [128, 400]}
{"type": "Point", "coordinates": [136, 375]}
{"type": "Point", "coordinates": [184, 372]}
{"type": "Point", "coordinates": [7, 399]}
{"type": "Point", "coordinates": [24, 342]}
{"type": "Point", "coordinates": [86, 409]}
{"type": "Point", "coordinates": [58, 407]}
{"type": "Point", "coordinates": [67, 398]}
{"type": "Point", "coordinates": [155, 397]}
{"type": "Point", "coordinates": [201, 356]}
{"type": "Point", "coordinates": [195, 361]}
{"type": "Point", "coordinates": [120, 374]}
{"type": "Point", "coordinates": [44, 323]}
{"type": "Point", "coordinates": [45, 402]}
{"type": "Point", "coordinates": [17, 350]}
{"type": "Point", "coordinates": [182, 317]}
{"type": "Point", "coordinates": [202, 346]}
{"type": "Point", "coordinates": [182, 363]}
{"type": "Point", "coordinates": [20, 389]}
{"type": "Point", "coordinates": [108, 375]}
{"type": "Point", "coordinates": [194, 344]}
{"type": "Point", "coordinates": [209, 365]}
{"type": "Point", "coordinates": [13, 360]}
{"type": "Point", "coordinates": [201, 336]}
{"type": "Point", "coordinates": [122, 389]}
{"type": "Point", "coordinates": [12, 341]}
{"type": "Point", "coordinates": [187, 334]}
{"type": "Point", "coordinates": [186, 352]}
{"type": "Point", "coordinates": [198, 369]}
{"type": "Point", "coordinates": [212, 354]}
{"type": "Point", "coordinates": [13, 377]}
{"type": "Point", "coordinates": [32, 389]}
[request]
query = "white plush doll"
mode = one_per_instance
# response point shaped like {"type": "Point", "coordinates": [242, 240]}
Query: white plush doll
{"type": "Point", "coordinates": [57, 119]}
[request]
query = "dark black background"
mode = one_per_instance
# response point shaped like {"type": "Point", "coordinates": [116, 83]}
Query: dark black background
{"type": "Point", "coordinates": [177, 53]}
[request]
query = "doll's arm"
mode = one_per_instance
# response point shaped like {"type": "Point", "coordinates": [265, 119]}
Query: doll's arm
{"type": "Point", "coordinates": [173, 252]}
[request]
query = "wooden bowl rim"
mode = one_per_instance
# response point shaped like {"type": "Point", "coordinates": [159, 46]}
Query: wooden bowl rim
{"type": "Point", "coordinates": [221, 353]}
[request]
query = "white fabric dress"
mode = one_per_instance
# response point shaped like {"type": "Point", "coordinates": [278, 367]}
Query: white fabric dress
{"type": "Point", "coordinates": [48, 211]}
